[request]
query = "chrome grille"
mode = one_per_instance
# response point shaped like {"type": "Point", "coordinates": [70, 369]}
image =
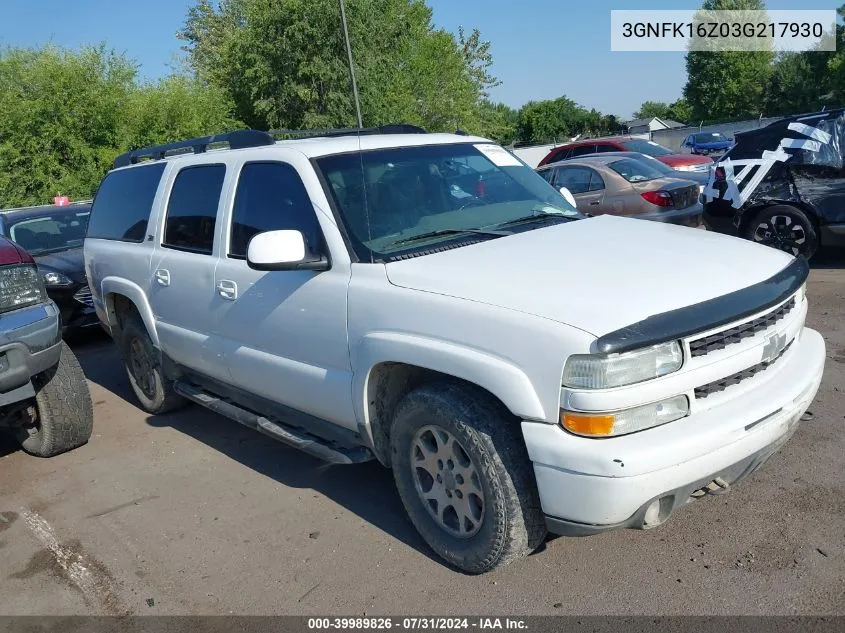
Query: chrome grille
{"type": "Point", "coordinates": [83, 295]}
{"type": "Point", "coordinates": [720, 340]}
{"type": "Point", "coordinates": [734, 379]}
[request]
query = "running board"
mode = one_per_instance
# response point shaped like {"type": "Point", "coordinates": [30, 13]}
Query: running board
{"type": "Point", "coordinates": [297, 438]}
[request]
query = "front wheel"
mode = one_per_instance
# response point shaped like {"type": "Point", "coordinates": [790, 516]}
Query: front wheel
{"type": "Point", "coordinates": [785, 228]}
{"type": "Point", "coordinates": [63, 416]}
{"type": "Point", "coordinates": [464, 476]}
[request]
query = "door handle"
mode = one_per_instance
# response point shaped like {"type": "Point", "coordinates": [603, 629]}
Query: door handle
{"type": "Point", "coordinates": [227, 289]}
{"type": "Point", "coordinates": [162, 277]}
{"type": "Point", "coordinates": [595, 203]}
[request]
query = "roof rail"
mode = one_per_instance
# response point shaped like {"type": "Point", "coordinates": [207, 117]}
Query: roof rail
{"type": "Point", "coordinates": [237, 139]}
{"type": "Point", "coordinates": [394, 128]}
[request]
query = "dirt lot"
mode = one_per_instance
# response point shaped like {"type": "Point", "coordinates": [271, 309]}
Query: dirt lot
{"type": "Point", "coordinates": [190, 513]}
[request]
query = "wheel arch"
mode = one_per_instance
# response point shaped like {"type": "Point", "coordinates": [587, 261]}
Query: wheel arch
{"type": "Point", "coordinates": [394, 364]}
{"type": "Point", "coordinates": [120, 295]}
{"type": "Point", "coordinates": [749, 214]}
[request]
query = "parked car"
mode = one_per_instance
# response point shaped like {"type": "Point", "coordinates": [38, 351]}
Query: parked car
{"type": "Point", "coordinates": [783, 185]}
{"type": "Point", "coordinates": [44, 398]}
{"type": "Point", "coordinates": [706, 143]}
{"type": "Point", "coordinates": [53, 235]}
{"type": "Point", "coordinates": [681, 162]}
{"type": "Point", "coordinates": [618, 185]}
{"type": "Point", "coordinates": [520, 369]}
{"type": "Point", "coordinates": [699, 177]}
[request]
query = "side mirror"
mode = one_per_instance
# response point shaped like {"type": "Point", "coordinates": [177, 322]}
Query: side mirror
{"type": "Point", "coordinates": [282, 250]}
{"type": "Point", "coordinates": [568, 196]}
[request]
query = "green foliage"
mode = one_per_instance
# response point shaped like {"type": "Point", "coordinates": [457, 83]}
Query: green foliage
{"type": "Point", "coordinates": [561, 119]}
{"type": "Point", "coordinates": [728, 83]}
{"type": "Point", "coordinates": [67, 114]}
{"type": "Point", "coordinates": [284, 63]}
{"type": "Point", "coordinates": [650, 109]}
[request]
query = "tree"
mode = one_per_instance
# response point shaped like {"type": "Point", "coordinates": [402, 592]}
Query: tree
{"type": "Point", "coordinates": [284, 64]}
{"type": "Point", "coordinates": [680, 110]}
{"type": "Point", "coordinates": [650, 109]}
{"type": "Point", "coordinates": [727, 84]}
{"type": "Point", "coordinates": [68, 114]}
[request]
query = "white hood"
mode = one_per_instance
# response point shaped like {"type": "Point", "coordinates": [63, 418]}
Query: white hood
{"type": "Point", "coordinates": [599, 274]}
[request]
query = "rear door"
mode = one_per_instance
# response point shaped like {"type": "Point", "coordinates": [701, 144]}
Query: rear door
{"type": "Point", "coordinates": [182, 272]}
{"type": "Point", "coordinates": [585, 184]}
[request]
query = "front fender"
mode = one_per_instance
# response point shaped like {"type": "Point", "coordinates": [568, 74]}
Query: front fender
{"type": "Point", "coordinates": [497, 375]}
{"type": "Point", "coordinates": [119, 286]}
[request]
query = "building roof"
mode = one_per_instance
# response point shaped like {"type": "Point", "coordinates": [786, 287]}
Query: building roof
{"type": "Point", "coordinates": [643, 122]}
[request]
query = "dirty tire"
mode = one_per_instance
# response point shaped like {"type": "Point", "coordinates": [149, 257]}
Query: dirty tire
{"type": "Point", "coordinates": [513, 524]}
{"type": "Point", "coordinates": [65, 413]}
{"type": "Point", "coordinates": [153, 390]}
{"type": "Point", "coordinates": [786, 228]}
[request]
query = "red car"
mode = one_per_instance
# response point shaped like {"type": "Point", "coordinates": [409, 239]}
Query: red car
{"type": "Point", "coordinates": [681, 162]}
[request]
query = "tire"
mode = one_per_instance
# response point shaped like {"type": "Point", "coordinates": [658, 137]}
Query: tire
{"type": "Point", "coordinates": [786, 228]}
{"type": "Point", "coordinates": [65, 416]}
{"type": "Point", "coordinates": [153, 390]}
{"type": "Point", "coordinates": [499, 525]}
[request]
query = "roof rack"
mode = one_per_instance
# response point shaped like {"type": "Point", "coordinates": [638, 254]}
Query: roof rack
{"type": "Point", "coordinates": [237, 139]}
{"type": "Point", "coordinates": [394, 128]}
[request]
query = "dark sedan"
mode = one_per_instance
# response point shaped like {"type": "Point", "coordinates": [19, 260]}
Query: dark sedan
{"type": "Point", "coordinates": [54, 235]}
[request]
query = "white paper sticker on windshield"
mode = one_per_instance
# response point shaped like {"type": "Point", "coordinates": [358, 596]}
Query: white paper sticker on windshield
{"type": "Point", "coordinates": [499, 156]}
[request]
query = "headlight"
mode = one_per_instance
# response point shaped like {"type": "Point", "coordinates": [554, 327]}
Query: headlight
{"type": "Point", "coordinates": [626, 421]}
{"type": "Point", "coordinates": [20, 286]}
{"type": "Point", "coordinates": [601, 371]}
{"type": "Point", "coordinates": [56, 279]}
{"type": "Point", "coordinates": [683, 168]}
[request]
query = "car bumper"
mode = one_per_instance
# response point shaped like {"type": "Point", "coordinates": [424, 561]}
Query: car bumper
{"type": "Point", "coordinates": [720, 223]}
{"type": "Point", "coordinates": [30, 343]}
{"type": "Point", "coordinates": [691, 216]}
{"type": "Point", "coordinates": [75, 306]}
{"type": "Point", "coordinates": [582, 503]}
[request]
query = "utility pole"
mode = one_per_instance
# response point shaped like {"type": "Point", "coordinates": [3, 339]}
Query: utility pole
{"type": "Point", "coordinates": [351, 68]}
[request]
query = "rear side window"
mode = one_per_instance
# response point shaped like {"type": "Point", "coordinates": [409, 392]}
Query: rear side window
{"type": "Point", "coordinates": [192, 210]}
{"type": "Point", "coordinates": [583, 150]}
{"type": "Point", "coordinates": [271, 197]}
{"type": "Point", "coordinates": [123, 202]}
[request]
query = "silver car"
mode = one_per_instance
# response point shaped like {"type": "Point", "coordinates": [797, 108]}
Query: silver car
{"type": "Point", "coordinates": [610, 184]}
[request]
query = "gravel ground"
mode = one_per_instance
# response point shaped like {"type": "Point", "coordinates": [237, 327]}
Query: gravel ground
{"type": "Point", "coordinates": [191, 514]}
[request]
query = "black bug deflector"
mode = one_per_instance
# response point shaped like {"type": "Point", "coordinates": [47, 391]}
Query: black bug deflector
{"type": "Point", "coordinates": [683, 322]}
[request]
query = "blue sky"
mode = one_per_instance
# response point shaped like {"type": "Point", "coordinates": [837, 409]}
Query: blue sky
{"type": "Point", "coordinates": [542, 48]}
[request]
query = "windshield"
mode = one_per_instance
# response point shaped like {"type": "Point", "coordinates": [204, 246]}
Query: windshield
{"type": "Point", "coordinates": [389, 197]}
{"type": "Point", "coordinates": [652, 162]}
{"type": "Point", "coordinates": [713, 137]}
{"type": "Point", "coordinates": [57, 231]}
{"type": "Point", "coordinates": [646, 147]}
{"type": "Point", "coordinates": [634, 170]}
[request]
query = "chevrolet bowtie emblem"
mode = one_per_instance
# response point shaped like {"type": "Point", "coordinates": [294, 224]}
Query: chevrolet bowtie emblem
{"type": "Point", "coordinates": [773, 348]}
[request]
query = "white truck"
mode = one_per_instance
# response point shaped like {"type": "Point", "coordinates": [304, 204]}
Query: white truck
{"type": "Point", "coordinates": [428, 301]}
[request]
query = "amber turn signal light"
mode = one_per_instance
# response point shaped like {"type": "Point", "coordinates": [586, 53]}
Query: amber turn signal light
{"type": "Point", "coordinates": [587, 424]}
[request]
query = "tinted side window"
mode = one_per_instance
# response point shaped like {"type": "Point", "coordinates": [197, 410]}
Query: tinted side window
{"type": "Point", "coordinates": [546, 174]}
{"type": "Point", "coordinates": [583, 150]}
{"type": "Point", "coordinates": [606, 148]}
{"type": "Point", "coordinates": [192, 210]}
{"type": "Point", "coordinates": [596, 181]}
{"type": "Point", "coordinates": [271, 197]}
{"type": "Point", "coordinates": [123, 202]}
{"type": "Point", "coordinates": [576, 179]}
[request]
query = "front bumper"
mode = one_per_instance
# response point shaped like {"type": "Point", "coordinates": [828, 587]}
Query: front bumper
{"type": "Point", "coordinates": [691, 216]}
{"type": "Point", "coordinates": [30, 343]}
{"type": "Point", "coordinates": [75, 306]}
{"type": "Point", "coordinates": [593, 496]}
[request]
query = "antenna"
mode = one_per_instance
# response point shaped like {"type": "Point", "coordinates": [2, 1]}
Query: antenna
{"type": "Point", "coordinates": [351, 68]}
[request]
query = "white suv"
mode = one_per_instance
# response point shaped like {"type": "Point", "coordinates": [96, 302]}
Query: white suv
{"type": "Point", "coordinates": [429, 301]}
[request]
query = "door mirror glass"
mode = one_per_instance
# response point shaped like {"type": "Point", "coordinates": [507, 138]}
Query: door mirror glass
{"type": "Point", "coordinates": [282, 250]}
{"type": "Point", "coordinates": [568, 196]}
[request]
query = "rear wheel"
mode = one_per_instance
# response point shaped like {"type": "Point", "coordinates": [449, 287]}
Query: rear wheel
{"type": "Point", "coordinates": [464, 476]}
{"type": "Point", "coordinates": [62, 417]}
{"type": "Point", "coordinates": [152, 388]}
{"type": "Point", "coordinates": [786, 228]}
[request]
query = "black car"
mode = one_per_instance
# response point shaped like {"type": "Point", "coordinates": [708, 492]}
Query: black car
{"type": "Point", "coordinates": [783, 185]}
{"type": "Point", "coordinates": [54, 235]}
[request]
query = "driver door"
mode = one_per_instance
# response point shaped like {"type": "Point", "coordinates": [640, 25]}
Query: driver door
{"type": "Point", "coordinates": [586, 186]}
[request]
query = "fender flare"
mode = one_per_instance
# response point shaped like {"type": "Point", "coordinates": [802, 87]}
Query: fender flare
{"type": "Point", "coordinates": [496, 375]}
{"type": "Point", "coordinates": [133, 292]}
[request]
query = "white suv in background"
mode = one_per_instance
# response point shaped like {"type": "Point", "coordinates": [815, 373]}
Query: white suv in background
{"type": "Point", "coordinates": [429, 301]}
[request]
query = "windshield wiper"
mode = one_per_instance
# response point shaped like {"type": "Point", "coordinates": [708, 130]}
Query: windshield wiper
{"type": "Point", "coordinates": [533, 218]}
{"type": "Point", "coordinates": [439, 232]}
